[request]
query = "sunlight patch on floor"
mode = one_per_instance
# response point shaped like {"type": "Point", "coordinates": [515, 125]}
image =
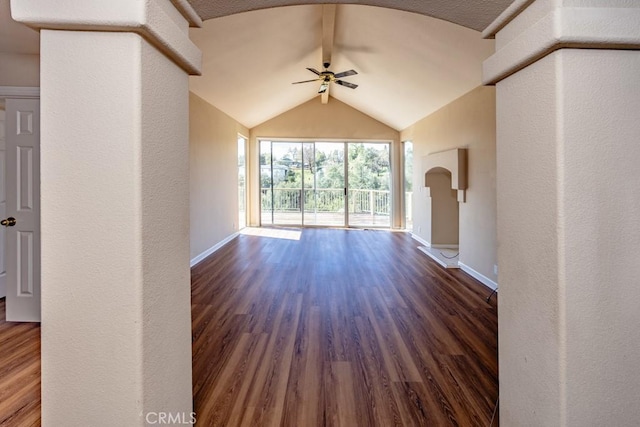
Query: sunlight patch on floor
{"type": "Point", "coordinates": [275, 233]}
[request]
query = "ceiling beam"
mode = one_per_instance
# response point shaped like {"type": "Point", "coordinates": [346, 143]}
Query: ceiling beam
{"type": "Point", "coordinates": [328, 30]}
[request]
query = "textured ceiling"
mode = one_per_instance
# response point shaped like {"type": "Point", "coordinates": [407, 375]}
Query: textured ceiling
{"type": "Point", "coordinates": [475, 14]}
{"type": "Point", "coordinates": [408, 65]}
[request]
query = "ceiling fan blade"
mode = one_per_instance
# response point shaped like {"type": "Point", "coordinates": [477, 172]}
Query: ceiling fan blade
{"type": "Point", "coordinates": [346, 84]}
{"type": "Point", "coordinates": [314, 71]}
{"type": "Point", "coordinates": [305, 81]}
{"type": "Point", "coordinates": [346, 74]}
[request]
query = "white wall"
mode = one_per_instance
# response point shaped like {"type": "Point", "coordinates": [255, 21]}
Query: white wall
{"type": "Point", "coordinates": [213, 156]}
{"type": "Point", "coordinates": [569, 202]}
{"type": "Point", "coordinates": [115, 289]}
{"type": "Point", "coordinates": [468, 122]}
{"type": "Point", "coordinates": [569, 199]}
{"type": "Point", "coordinates": [529, 306]}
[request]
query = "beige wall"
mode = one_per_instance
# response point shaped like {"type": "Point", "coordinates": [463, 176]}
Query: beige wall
{"type": "Point", "coordinates": [213, 158]}
{"type": "Point", "coordinates": [19, 69]}
{"type": "Point", "coordinates": [313, 120]}
{"type": "Point", "coordinates": [444, 210]}
{"type": "Point", "coordinates": [468, 122]}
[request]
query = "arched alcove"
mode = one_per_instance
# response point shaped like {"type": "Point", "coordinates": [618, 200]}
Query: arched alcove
{"type": "Point", "coordinates": [445, 181]}
{"type": "Point", "coordinates": [455, 162]}
{"type": "Point", "coordinates": [445, 210]}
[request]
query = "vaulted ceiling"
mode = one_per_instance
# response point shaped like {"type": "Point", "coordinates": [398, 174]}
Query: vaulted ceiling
{"type": "Point", "coordinates": [409, 64]}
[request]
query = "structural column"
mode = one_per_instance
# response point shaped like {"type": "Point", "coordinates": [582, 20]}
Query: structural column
{"type": "Point", "coordinates": [568, 153]}
{"type": "Point", "coordinates": [116, 323]}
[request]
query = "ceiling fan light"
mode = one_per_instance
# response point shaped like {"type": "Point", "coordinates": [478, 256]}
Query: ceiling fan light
{"type": "Point", "coordinates": [323, 87]}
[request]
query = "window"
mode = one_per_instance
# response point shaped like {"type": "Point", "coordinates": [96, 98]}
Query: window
{"type": "Point", "coordinates": [242, 182]}
{"type": "Point", "coordinates": [408, 185]}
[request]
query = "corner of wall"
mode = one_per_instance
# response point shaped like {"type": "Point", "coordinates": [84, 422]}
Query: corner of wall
{"type": "Point", "coordinates": [468, 121]}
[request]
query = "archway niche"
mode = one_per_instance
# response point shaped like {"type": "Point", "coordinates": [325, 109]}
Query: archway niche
{"type": "Point", "coordinates": [445, 181]}
{"type": "Point", "coordinates": [444, 209]}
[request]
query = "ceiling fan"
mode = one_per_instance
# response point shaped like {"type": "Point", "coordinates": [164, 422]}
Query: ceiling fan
{"type": "Point", "coordinates": [326, 77]}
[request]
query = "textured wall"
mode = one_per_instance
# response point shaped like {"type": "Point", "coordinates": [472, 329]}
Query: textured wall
{"type": "Point", "coordinates": [528, 250]}
{"type": "Point", "coordinates": [568, 98]}
{"type": "Point", "coordinates": [115, 226]}
{"type": "Point", "coordinates": [569, 199]}
{"type": "Point", "coordinates": [599, 221]}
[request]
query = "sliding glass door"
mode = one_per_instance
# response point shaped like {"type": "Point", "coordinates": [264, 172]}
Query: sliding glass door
{"type": "Point", "coordinates": [282, 175]}
{"type": "Point", "coordinates": [312, 183]}
{"type": "Point", "coordinates": [369, 185]}
{"type": "Point", "coordinates": [325, 194]}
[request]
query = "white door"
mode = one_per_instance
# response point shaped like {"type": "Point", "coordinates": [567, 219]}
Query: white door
{"type": "Point", "coordinates": [3, 203]}
{"type": "Point", "coordinates": [22, 220]}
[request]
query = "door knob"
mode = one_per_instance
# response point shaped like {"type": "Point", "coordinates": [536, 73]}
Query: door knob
{"type": "Point", "coordinates": [9, 222]}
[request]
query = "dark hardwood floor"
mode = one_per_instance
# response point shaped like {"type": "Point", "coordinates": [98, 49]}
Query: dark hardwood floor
{"type": "Point", "coordinates": [343, 327]}
{"type": "Point", "coordinates": [19, 372]}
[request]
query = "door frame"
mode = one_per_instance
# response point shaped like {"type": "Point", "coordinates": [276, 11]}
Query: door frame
{"type": "Point", "coordinates": [20, 92]}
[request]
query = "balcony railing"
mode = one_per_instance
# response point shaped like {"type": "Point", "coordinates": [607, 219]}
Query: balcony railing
{"type": "Point", "coordinates": [374, 202]}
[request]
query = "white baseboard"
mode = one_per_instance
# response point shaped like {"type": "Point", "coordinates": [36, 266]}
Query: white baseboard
{"type": "Point", "coordinates": [452, 246]}
{"type": "Point", "coordinates": [478, 276]}
{"type": "Point", "coordinates": [212, 249]}
{"type": "Point", "coordinates": [420, 240]}
{"type": "Point", "coordinates": [433, 254]}
{"type": "Point", "coordinates": [435, 246]}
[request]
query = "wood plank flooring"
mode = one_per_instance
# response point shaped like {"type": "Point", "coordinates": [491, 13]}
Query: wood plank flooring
{"type": "Point", "coordinates": [19, 372]}
{"type": "Point", "coordinates": [340, 328]}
